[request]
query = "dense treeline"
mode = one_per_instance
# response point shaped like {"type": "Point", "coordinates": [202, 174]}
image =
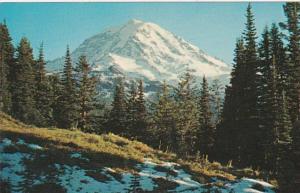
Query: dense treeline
{"type": "Point", "coordinates": [262, 101]}
{"type": "Point", "coordinates": [257, 124]}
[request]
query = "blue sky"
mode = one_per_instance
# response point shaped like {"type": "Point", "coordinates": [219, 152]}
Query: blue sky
{"type": "Point", "coordinates": [213, 27]}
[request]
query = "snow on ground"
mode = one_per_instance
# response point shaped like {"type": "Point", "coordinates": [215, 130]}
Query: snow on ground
{"type": "Point", "coordinates": [246, 185]}
{"type": "Point", "coordinates": [148, 176]}
{"type": "Point", "coordinates": [32, 146]}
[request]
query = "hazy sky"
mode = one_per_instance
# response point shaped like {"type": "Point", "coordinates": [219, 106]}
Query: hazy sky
{"type": "Point", "coordinates": [213, 27]}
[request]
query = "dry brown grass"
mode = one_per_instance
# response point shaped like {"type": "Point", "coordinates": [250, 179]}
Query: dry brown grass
{"type": "Point", "coordinates": [105, 150]}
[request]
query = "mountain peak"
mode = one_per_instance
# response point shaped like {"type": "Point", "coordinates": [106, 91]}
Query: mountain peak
{"type": "Point", "coordinates": [135, 21]}
{"type": "Point", "coordinates": [145, 50]}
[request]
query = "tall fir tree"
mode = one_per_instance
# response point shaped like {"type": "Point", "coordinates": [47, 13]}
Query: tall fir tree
{"type": "Point", "coordinates": [137, 114]}
{"type": "Point", "coordinates": [228, 135]}
{"type": "Point", "coordinates": [285, 167]}
{"type": "Point", "coordinates": [187, 115]}
{"type": "Point", "coordinates": [86, 93]}
{"type": "Point", "coordinates": [164, 126]}
{"type": "Point", "coordinates": [141, 122]}
{"type": "Point", "coordinates": [268, 93]}
{"type": "Point", "coordinates": [278, 53]}
{"type": "Point", "coordinates": [6, 65]}
{"type": "Point", "coordinates": [117, 121]}
{"type": "Point", "coordinates": [292, 13]}
{"type": "Point", "coordinates": [69, 107]}
{"type": "Point", "coordinates": [23, 85]}
{"type": "Point", "coordinates": [249, 122]}
{"type": "Point", "coordinates": [206, 136]}
{"type": "Point", "coordinates": [132, 114]}
{"type": "Point", "coordinates": [43, 102]}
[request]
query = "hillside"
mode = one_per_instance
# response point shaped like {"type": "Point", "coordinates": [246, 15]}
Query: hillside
{"type": "Point", "coordinates": [56, 160]}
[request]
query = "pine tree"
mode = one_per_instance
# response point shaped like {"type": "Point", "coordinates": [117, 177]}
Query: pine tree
{"type": "Point", "coordinates": [285, 166]}
{"type": "Point", "coordinates": [207, 131]}
{"type": "Point", "coordinates": [164, 126]}
{"type": "Point", "coordinates": [132, 114]}
{"type": "Point", "coordinates": [137, 115]}
{"type": "Point", "coordinates": [24, 107]}
{"type": "Point", "coordinates": [249, 122]}
{"type": "Point", "coordinates": [268, 93]}
{"type": "Point", "coordinates": [69, 106]}
{"type": "Point", "coordinates": [186, 116]}
{"type": "Point", "coordinates": [278, 52]}
{"type": "Point", "coordinates": [86, 93]}
{"type": "Point", "coordinates": [228, 135]}
{"type": "Point", "coordinates": [43, 102]}
{"type": "Point", "coordinates": [292, 13]}
{"type": "Point", "coordinates": [6, 65]}
{"type": "Point", "coordinates": [117, 122]}
{"type": "Point", "coordinates": [141, 122]}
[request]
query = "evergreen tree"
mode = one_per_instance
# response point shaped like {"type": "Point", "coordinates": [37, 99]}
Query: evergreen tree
{"type": "Point", "coordinates": [187, 116]}
{"type": "Point", "coordinates": [285, 165]}
{"type": "Point", "coordinates": [6, 65]}
{"type": "Point", "coordinates": [43, 102]}
{"type": "Point", "coordinates": [132, 114]}
{"type": "Point", "coordinates": [292, 13]}
{"type": "Point", "coordinates": [164, 126]}
{"type": "Point", "coordinates": [268, 93]}
{"type": "Point", "coordinates": [141, 123]}
{"type": "Point", "coordinates": [228, 135]}
{"type": "Point", "coordinates": [86, 93]}
{"type": "Point", "coordinates": [117, 122]}
{"type": "Point", "coordinates": [278, 53]}
{"type": "Point", "coordinates": [69, 106]}
{"type": "Point", "coordinates": [207, 132]}
{"type": "Point", "coordinates": [23, 85]}
{"type": "Point", "coordinates": [137, 123]}
{"type": "Point", "coordinates": [249, 111]}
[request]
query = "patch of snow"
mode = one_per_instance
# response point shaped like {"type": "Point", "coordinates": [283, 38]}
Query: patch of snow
{"type": "Point", "coordinates": [246, 185]}
{"type": "Point", "coordinates": [30, 145]}
{"type": "Point", "coordinates": [265, 184]}
{"type": "Point", "coordinates": [4, 143]}
{"type": "Point", "coordinates": [14, 170]}
{"type": "Point", "coordinates": [76, 179]}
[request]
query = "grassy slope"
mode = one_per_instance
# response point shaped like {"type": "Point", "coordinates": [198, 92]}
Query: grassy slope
{"type": "Point", "coordinates": [107, 150]}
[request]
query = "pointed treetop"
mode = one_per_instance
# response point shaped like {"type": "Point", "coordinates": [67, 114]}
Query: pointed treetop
{"type": "Point", "coordinates": [41, 52]}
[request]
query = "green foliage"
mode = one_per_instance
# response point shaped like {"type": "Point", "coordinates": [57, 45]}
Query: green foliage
{"type": "Point", "coordinates": [117, 122]}
{"type": "Point", "coordinates": [292, 25]}
{"type": "Point", "coordinates": [23, 85]}
{"type": "Point", "coordinates": [6, 65]}
{"type": "Point", "coordinates": [136, 112]}
{"type": "Point", "coordinates": [187, 116]}
{"type": "Point", "coordinates": [86, 93]}
{"type": "Point", "coordinates": [68, 100]}
{"type": "Point", "coordinates": [42, 99]}
{"type": "Point", "coordinates": [164, 126]}
{"type": "Point", "coordinates": [206, 132]}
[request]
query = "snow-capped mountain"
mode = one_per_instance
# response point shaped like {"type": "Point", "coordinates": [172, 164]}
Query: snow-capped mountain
{"type": "Point", "coordinates": [142, 50]}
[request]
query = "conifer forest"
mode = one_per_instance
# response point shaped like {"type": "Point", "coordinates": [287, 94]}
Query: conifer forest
{"type": "Point", "coordinates": [252, 122]}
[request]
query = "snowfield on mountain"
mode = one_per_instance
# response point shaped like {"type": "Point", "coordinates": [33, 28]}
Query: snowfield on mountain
{"type": "Point", "coordinates": [143, 50]}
